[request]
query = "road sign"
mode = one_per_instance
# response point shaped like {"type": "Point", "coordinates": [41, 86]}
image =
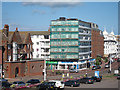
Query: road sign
{"type": "Point", "coordinates": [97, 73]}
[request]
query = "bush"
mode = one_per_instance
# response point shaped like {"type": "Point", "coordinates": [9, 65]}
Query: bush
{"type": "Point", "coordinates": [59, 73]}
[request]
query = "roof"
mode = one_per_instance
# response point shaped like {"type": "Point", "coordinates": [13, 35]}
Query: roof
{"type": "Point", "coordinates": [36, 32]}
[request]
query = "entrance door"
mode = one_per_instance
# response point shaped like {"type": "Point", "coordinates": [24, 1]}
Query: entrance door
{"type": "Point", "coordinates": [16, 72]}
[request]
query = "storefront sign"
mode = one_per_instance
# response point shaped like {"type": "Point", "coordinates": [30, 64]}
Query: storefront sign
{"type": "Point", "coordinates": [51, 62]}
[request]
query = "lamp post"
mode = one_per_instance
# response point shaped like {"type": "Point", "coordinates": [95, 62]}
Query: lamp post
{"type": "Point", "coordinates": [45, 65]}
{"type": "Point", "coordinates": [110, 63]}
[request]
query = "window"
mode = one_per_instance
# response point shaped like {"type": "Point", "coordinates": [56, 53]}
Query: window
{"type": "Point", "coordinates": [37, 36]}
{"type": "Point", "coordinates": [37, 43]}
{"type": "Point", "coordinates": [46, 36]}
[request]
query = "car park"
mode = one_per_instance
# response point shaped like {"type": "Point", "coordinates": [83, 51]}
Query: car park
{"type": "Point", "coordinates": [73, 70]}
{"type": "Point", "coordinates": [86, 80]}
{"type": "Point", "coordinates": [46, 85]}
{"type": "Point", "coordinates": [33, 81]}
{"type": "Point", "coordinates": [72, 83]}
{"type": "Point", "coordinates": [58, 83]}
{"type": "Point", "coordinates": [96, 67]}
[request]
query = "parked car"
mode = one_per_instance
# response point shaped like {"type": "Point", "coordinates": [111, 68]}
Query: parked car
{"type": "Point", "coordinates": [96, 67]}
{"type": "Point", "coordinates": [107, 65]}
{"type": "Point", "coordinates": [19, 83]}
{"type": "Point", "coordinates": [72, 83]}
{"type": "Point", "coordinates": [118, 77]}
{"type": "Point", "coordinates": [5, 85]}
{"type": "Point", "coordinates": [118, 60]}
{"type": "Point", "coordinates": [97, 79]}
{"type": "Point", "coordinates": [58, 84]}
{"type": "Point", "coordinates": [46, 85]}
{"type": "Point", "coordinates": [86, 80]}
{"type": "Point", "coordinates": [3, 79]}
{"type": "Point", "coordinates": [33, 81]}
{"type": "Point", "coordinates": [73, 70]}
{"type": "Point", "coordinates": [119, 68]}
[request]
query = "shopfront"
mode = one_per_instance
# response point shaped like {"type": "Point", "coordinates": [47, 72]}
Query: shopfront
{"type": "Point", "coordinates": [51, 65]}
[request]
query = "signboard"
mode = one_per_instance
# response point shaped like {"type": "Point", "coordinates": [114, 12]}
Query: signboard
{"type": "Point", "coordinates": [116, 71]}
{"type": "Point", "coordinates": [51, 62]}
{"type": "Point", "coordinates": [97, 73]}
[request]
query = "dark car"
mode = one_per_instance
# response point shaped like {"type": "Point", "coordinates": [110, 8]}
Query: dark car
{"type": "Point", "coordinates": [19, 83]}
{"type": "Point", "coordinates": [107, 65]}
{"type": "Point", "coordinates": [118, 77]}
{"type": "Point", "coordinates": [33, 81]}
{"type": "Point", "coordinates": [86, 80]}
{"type": "Point", "coordinates": [118, 60]}
{"type": "Point", "coordinates": [72, 83]}
{"type": "Point", "coordinates": [46, 85]}
{"type": "Point", "coordinates": [97, 79]}
{"type": "Point", "coordinates": [5, 85]}
{"type": "Point", "coordinates": [3, 79]}
{"type": "Point", "coordinates": [96, 67]}
{"type": "Point", "coordinates": [119, 68]}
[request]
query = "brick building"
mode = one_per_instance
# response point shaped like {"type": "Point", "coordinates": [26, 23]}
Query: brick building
{"type": "Point", "coordinates": [97, 43]}
{"type": "Point", "coordinates": [17, 54]}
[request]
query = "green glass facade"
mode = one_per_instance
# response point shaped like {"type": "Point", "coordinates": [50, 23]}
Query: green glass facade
{"type": "Point", "coordinates": [64, 40]}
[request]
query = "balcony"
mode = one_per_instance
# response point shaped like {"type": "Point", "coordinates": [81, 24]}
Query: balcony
{"type": "Point", "coordinates": [85, 34]}
{"type": "Point", "coordinates": [84, 27]}
{"type": "Point", "coordinates": [84, 46]}
{"type": "Point", "coordinates": [81, 53]}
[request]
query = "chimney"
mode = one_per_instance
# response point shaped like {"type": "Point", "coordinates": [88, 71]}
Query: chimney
{"type": "Point", "coordinates": [6, 29]}
{"type": "Point", "coordinates": [16, 28]}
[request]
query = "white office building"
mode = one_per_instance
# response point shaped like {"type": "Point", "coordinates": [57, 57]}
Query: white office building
{"type": "Point", "coordinates": [110, 43]}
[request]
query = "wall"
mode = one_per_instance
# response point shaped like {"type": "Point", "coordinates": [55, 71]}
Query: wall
{"type": "Point", "coordinates": [97, 44]}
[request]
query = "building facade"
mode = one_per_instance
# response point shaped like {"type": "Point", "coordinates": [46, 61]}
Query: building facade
{"type": "Point", "coordinates": [70, 43]}
{"type": "Point", "coordinates": [97, 43]}
{"type": "Point", "coordinates": [17, 55]}
{"type": "Point", "coordinates": [41, 44]}
{"type": "Point", "coordinates": [110, 43]}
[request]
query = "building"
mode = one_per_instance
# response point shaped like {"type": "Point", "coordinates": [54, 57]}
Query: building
{"type": "Point", "coordinates": [110, 43]}
{"type": "Point", "coordinates": [17, 55]}
{"type": "Point", "coordinates": [70, 43]}
{"type": "Point", "coordinates": [97, 43]}
{"type": "Point", "coordinates": [41, 44]}
{"type": "Point", "coordinates": [118, 45]}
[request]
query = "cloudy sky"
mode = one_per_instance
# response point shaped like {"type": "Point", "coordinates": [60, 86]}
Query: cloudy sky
{"type": "Point", "coordinates": [37, 16]}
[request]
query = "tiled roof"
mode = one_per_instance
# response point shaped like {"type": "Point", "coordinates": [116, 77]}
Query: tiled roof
{"type": "Point", "coordinates": [36, 32]}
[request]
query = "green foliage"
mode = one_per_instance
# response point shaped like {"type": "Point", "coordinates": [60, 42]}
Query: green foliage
{"type": "Point", "coordinates": [106, 60]}
{"type": "Point", "coordinates": [97, 62]}
{"type": "Point", "coordinates": [58, 73]}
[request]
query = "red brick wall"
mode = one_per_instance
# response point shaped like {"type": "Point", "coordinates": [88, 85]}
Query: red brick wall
{"type": "Point", "coordinates": [35, 68]}
{"type": "Point", "coordinates": [0, 56]}
{"type": "Point", "coordinates": [97, 43]}
{"type": "Point", "coordinates": [28, 68]}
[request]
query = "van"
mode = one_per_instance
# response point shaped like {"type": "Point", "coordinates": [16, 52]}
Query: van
{"type": "Point", "coordinates": [58, 84]}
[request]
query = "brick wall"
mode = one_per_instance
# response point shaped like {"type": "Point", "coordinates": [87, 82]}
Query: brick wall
{"type": "Point", "coordinates": [97, 43]}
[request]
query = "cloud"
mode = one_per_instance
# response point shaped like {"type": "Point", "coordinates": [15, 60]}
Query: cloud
{"type": "Point", "coordinates": [39, 12]}
{"type": "Point", "coordinates": [53, 4]}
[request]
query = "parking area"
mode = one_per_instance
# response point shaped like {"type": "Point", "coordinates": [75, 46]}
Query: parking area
{"type": "Point", "coordinates": [103, 84]}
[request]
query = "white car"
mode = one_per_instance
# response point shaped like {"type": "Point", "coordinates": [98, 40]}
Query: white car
{"type": "Point", "coordinates": [58, 84]}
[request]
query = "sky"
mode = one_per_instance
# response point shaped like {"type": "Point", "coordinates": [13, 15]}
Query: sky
{"type": "Point", "coordinates": [37, 16]}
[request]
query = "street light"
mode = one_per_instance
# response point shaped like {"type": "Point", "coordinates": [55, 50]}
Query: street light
{"type": "Point", "coordinates": [45, 65]}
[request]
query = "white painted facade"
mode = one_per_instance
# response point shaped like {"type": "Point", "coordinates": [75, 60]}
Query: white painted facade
{"type": "Point", "coordinates": [41, 46]}
{"type": "Point", "coordinates": [110, 43]}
